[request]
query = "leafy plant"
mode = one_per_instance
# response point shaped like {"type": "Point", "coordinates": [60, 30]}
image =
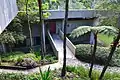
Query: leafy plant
{"type": "Point", "coordinates": [108, 30]}
{"type": "Point", "coordinates": [45, 75]}
{"type": "Point", "coordinates": [51, 58]}
{"type": "Point", "coordinates": [37, 55]}
{"type": "Point", "coordinates": [83, 53]}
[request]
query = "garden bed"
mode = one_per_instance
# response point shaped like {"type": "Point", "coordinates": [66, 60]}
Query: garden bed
{"type": "Point", "coordinates": [23, 61]}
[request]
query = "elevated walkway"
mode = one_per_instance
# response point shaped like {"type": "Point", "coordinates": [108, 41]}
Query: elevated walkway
{"type": "Point", "coordinates": [57, 45]}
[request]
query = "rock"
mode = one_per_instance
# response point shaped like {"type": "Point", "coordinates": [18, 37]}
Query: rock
{"type": "Point", "coordinates": [27, 62]}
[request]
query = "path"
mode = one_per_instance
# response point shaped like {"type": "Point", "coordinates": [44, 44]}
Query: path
{"type": "Point", "coordinates": [59, 47]}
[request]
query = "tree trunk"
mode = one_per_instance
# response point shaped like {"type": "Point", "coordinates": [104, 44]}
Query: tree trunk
{"type": "Point", "coordinates": [29, 28]}
{"type": "Point", "coordinates": [43, 47]}
{"type": "Point", "coordinates": [93, 54]}
{"type": "Point", "coordinates": [10, 47]}
{"type": "Point", "coordinates": [113, 48]}
{"type": "Point", "coordinates": [3, 47]}
{"type": "Point", "coordinates": [64, 43]}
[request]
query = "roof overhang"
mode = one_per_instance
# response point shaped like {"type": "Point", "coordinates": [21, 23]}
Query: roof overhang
{"type": "Point", "coordinates": [84, 14]}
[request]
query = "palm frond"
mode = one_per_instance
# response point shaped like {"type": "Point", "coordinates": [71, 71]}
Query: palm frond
{"type": "Point", "coordinates": [80, 31]}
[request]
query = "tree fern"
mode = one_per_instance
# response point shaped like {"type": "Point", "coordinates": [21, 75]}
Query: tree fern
{"type": "Point", "coordinates": [95, 30]}
{"type": "Point", "coordinates": [108, 30]}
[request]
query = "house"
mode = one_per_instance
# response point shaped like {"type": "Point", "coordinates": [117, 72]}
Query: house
{"type": "Point", "coordinates": [55, 23]}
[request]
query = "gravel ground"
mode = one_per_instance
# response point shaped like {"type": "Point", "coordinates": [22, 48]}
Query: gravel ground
{"type": "Point", "coordinates": [76, 62]}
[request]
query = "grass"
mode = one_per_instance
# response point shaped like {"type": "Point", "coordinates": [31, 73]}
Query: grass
{"type": "Point", "coordinates": [73, 73]}
{"type": "Point", "coordinates": [107, 40]}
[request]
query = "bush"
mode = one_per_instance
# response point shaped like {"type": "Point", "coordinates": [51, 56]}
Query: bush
{"type": "Point", "coordinates": [11, 57]}
{"type": "Point", "coordinates": [16, 56]}
{"type": "Point", "coordinates": [83, 52]}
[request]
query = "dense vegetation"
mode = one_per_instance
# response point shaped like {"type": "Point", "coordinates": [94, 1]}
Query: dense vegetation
{"type": "Point", "coordinates": [12, 58]}
{"type": "Point", "coordinates": [73, 73]}
{"type": "Point", "coordinates": [83, 52]}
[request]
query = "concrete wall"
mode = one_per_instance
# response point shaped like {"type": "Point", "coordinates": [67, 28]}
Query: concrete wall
{"type": "Point", "coordinates": [60, 14]}
{"type": "Point", "coordinates": [72, 24]}
{"type": "Point", "coordinates": [8, 10]}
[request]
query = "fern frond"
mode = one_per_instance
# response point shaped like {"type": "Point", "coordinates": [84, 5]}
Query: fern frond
{"type": "Point", "coordinates": [80, 31]}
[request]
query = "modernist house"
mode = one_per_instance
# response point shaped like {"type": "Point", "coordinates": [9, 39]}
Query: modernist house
{"type": "Point", "coordinates": [55, 22]}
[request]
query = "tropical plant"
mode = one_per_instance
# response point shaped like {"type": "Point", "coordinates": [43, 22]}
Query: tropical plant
{"type": "Point", "coordinates": [33, 8]}
{"type": "Point", "coordinates": [95, 30]}
{"type": "Point", "coordinates": [113, 48]}
{"type": "Point", "coordinates": [13, 34]}
{"type": "Point", "coordinates": [64, 42]}
{"type": "Point", "coordinates": [45, 75]}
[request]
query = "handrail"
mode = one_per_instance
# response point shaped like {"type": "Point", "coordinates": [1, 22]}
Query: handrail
{"type": "Point", "coordinates": [52, 43]}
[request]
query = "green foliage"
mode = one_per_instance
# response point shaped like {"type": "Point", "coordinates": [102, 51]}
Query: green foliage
{"type": "Point", "coordinates": [17, 56]}
{"type": "Point", "coordinates": [45, 75]}
{"type": "Point", "coordinates": [110, 5]}
{"type": "Point", "coordinates": [107, 40]}
{"type": "Point", "coordinates": [80, 71]}
{"type": "Point", "coordinates": [83, 52]}
{"type": "Point", "coordinates": [13, 33]}
{"type": "Point", "coordinates": [75, 4]}
{"type": "Point", "coordinates": [95, 76]}
{"type": "Point", "coordinates": [33, 10]}
{"type": "Point", "coordinates": [50, 58]}
{"type": "Point", "coordinates": [7, 76]}
{"type": "Point", "coordinates": [76, 71]}
{"type": "Point", "coordinates": [14, 57]}
{"type": "Point", "coordinates": [108, 30]}
{"type": "Point", "coordinates": [109, 21]}
{"type": "Point", "coordinates": [37, 55]}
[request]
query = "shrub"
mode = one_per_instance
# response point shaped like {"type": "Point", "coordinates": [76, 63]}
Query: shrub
{"type": "Point", "coordinates": [16, 56]}
{"type": "Point", "coordinates": [11, 57]}
{"type": "Point", "coordinates": [83, 52]}
{"type": "Point", "coordinates": [51, 58]}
